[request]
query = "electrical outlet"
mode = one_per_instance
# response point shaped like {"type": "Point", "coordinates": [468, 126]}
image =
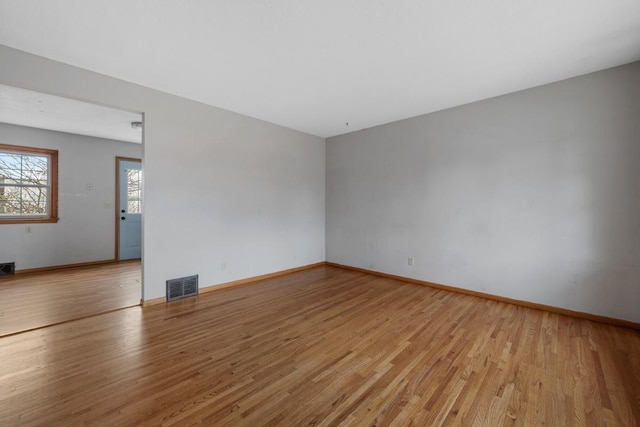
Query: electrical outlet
{"type": "Point", "coordinates": [411, 261]}
{"type": "Point", "coordinates": [223, 265]}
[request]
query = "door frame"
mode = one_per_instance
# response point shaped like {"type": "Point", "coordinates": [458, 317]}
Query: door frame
{"type": "Point", "coordinates": [117, 201]}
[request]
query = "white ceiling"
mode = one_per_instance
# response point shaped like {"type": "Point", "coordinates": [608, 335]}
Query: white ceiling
{"type": "Point", "coordinates": [314, 65]}
{"type": "Point", "coordinates": [28, 108]}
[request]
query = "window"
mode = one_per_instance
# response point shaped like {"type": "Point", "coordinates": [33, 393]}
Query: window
{"type": "Point", "coordinates": [134, 191]}
{"type": "Point", "coordinates": [28, 184]}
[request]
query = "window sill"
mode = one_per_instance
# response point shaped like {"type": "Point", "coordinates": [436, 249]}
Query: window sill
{"type": "Point", "coordinates": [29, 221]}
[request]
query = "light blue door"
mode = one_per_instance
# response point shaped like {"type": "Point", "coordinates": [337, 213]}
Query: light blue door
{"type": "Point", "coordinates": [130, 209]}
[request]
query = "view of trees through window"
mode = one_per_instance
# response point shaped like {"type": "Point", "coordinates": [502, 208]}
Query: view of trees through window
{"type": "Point", "coordinates": [24, 184]}
{"type": "Point", "coordinates": [134, 191]}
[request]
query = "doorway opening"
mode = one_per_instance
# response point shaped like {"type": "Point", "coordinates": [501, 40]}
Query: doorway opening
{"type": "Point", "coordinates": [74, 253]}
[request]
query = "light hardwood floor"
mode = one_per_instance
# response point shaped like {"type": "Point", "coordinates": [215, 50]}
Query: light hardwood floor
{"type": "Point", "coordinates": [29, 301]}
{"type": "Point", "coordinates": [324, 346]}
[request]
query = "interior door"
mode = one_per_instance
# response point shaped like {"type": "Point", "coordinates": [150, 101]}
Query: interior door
{"type": "Point", "coordinates": [130, 209]}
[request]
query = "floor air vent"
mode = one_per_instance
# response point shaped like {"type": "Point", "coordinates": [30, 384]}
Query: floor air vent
{"type": "Point", "coordinates": [7, 268]}
{"type": "Point", "coordinates": [182, 287]}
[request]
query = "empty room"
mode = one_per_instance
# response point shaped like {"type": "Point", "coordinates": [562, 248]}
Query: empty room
{"type": "Point", "coordinates": [355, 213]}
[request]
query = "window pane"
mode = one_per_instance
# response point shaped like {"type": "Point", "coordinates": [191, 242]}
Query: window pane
{"type": "Point", "coordinates": [16, 201]}
{"type": "Point", "coordinates": [35, 170]}
{"type": "Point", "coordinates": [10, 168]}
{"type": "Point", "coordinates": [9, 201]}
{"type": "Point", "coordinates": [24, 169]}
{"type": "Point", "coordinates": [34, 200]}
{"type": "Point", "coordinates": [134, 191]}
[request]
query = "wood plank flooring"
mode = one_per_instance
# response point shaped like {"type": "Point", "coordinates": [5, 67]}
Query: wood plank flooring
{"type": "Point", "coordinates": [29, 301]}
{"type": "Point", "coordinates": [323, 347]}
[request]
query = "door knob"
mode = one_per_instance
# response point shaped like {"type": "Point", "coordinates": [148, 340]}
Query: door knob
{"type": "Point", "coordinates": [122, 218]}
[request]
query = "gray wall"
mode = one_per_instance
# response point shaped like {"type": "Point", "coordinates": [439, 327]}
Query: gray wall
{"type": "Point", "coordinates": [86, 230]}
{"type": "Point", "coordinates": [219, 187]}
{"type": "Point", "coordinates": [533, 195]}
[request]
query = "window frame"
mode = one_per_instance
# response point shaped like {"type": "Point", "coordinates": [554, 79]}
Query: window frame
{"type": "Point", "coordinates": [52, 217]}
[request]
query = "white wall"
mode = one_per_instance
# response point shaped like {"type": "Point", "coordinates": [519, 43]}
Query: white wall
{"type": "Point", "coordinates": [86, 230]}
{"type": "Point", "coordinates": [219, 186]}
{"type": "Point", "coordinates": [533, 195]}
